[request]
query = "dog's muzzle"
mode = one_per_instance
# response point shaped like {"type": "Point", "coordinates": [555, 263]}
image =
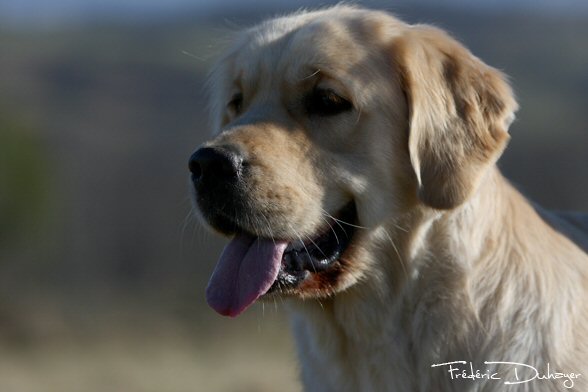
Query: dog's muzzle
{"type": "Point", "coordinates": [253, 264]}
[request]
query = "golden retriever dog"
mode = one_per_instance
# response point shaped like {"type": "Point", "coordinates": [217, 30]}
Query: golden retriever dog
{"type": "Point", "coordinates": [353, 166]}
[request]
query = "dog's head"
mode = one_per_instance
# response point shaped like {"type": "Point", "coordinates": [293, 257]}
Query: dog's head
{"type": "Point", "coordinates": [328, 125]}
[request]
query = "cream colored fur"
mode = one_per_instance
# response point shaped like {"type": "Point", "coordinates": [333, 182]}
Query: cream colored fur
{"type": "Point", "coordinates": [451, 263]}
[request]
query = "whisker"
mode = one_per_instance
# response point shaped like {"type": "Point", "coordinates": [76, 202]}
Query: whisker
{"type": "Point", "coordinates": [349, 224]}
{"type": "Point", "coordinates": [342, 221]}
{"type": "Point", "coordinates": [305, 248]}
{"type": "Point", "coordinates": [402, 264]}
{"type": "Point", "coordinates": [320, 304]}
{"type": "Point", "coordinates": [198, 230]}
{"type": "Point", "coordinates": [400, 228]}
{"type": "Point", "coordinates": [281, 301]}
{"type": "Point", "coordinates": [358, 116]}
{"type": "Point", "coordinates": [332, 229]}
{"type": "Point", "coordinates": [194, 56]}
{"type": "Point", "coordinates": [269, 228]}
{"type": "Point", "coordinates": [316, 246]}
{"type": "Point", "coordinates": [187, 221]}
{"type": "Point", "coordinates": [334, 219]}
{"type": "Point", "coordinates": [312, 74]}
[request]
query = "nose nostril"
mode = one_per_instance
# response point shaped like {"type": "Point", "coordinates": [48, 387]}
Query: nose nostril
{"type": "Point", "coordinates": [195, 169]}
{"type": "Point", "coordinates": [194, 165]}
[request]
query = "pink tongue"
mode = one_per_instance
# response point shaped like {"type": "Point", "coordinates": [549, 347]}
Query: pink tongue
{"type": "Point", "coordinates": [245, 271]}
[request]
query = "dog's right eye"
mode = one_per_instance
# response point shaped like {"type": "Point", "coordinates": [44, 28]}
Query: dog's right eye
{"type": "Point", "coordinates": [236, 104]}
{"type": "Point", "coordinates": [325, 102]}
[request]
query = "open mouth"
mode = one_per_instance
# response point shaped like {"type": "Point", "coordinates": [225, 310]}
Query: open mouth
{"type": "Point", "coordinates": [317, 254]}
{"type": "Point", "coordinates": [250, 267]}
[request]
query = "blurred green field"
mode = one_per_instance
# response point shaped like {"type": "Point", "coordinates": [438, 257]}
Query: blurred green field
{"type": "Point", "coordinates": [153, 354]}
{"type": "Point", "coordinates": [102, 267]}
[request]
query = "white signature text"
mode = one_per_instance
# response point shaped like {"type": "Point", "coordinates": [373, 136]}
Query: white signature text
{"type": "Point", "coordinates": [510, 373]}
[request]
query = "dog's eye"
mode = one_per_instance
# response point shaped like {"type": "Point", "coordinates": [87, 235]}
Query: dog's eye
{"type": "Point", "coordinates": [236, 104]}
{"type": "Point", "coordinates": [325, 102]}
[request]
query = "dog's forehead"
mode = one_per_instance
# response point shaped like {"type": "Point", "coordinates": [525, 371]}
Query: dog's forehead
{"type": "Point", "coordinates": [330, 41]}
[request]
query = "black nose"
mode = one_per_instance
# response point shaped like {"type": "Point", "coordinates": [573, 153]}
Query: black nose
{"type": "Point", "coordinates": [215, 164]}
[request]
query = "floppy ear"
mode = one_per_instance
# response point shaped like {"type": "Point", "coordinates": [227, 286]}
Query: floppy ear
{"type": "Point", "coordinates": [459, 113]}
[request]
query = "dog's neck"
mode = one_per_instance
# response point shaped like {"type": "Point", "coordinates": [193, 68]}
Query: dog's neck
{"type": "Point", "coordinates": [446, 262]}
{"type": "Point", "coordinates": [463, 234]}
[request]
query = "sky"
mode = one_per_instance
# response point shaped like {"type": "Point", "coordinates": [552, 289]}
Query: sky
{"type": "Point", "coordinates": [48, 12]}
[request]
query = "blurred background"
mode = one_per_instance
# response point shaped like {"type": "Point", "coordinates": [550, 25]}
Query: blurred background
{"type": "Point", "coordinates": [102, 267]}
